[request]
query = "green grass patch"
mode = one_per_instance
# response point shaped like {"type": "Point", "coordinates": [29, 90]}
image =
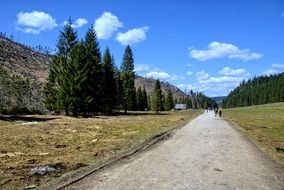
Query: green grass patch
{"type": "Point", "coordinates": [264, 124]}
{"type": "Point", "coordinates": [71, 143]}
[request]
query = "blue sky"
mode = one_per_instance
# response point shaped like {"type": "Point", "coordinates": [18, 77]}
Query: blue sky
{"type": "Point", "coordinates": [203, 45]}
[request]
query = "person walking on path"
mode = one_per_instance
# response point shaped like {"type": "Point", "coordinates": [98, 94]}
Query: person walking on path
{"type": "Point", "coordinates": [220, 112]}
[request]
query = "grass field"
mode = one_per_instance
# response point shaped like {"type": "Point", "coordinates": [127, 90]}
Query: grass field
{"type": "Point", "coordinates": [71, 143]}
{"type": "Point", "coordinates": [264, 124]}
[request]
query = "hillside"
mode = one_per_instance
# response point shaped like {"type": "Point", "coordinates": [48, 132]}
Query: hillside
{"type": "Point", "coordinates": [256, 91]}
{"type": "Point", "coordinates": [150, 83]}
{"type": "Point", "coordinates": [23, 73]}
{"type": "Point", "coordinates": [23, 62]}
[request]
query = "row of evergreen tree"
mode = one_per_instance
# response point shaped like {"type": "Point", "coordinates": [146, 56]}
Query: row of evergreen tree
{"type": "Point", "coordinates": [259, 90]}
{"type": "Point", "coordinates": [82, 82]}
{"type": "Point", "coordinates": [197, 100]}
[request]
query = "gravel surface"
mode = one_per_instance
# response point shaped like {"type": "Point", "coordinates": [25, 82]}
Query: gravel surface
{"type": "Point", "coordinates": [207, 153]}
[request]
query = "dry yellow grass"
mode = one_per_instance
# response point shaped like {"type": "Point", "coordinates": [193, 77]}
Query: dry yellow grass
{"type": "Point", "coordinates": [70, 143]}
{"type": "Point", "coordinates": [263, 124]}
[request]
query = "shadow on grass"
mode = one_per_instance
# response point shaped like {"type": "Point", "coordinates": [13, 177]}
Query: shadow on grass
{"type": "Point", "coordinates": [24, 118]}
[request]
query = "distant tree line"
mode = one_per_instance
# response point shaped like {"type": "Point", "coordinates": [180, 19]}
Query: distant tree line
{"type": "Point", "coordinates": [259, 90]}
{"type": "Point", "coordinates": [197, 100]}
{"type": "Point", "coordinates": [166, 102]}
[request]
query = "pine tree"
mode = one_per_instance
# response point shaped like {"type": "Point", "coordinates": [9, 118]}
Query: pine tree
{"type": "Point", "coordinates": [139, 99]}
{"type": "Point", "coordinates": [128, 77]}
{"type": "Point", "coordinates": [94, 85]}
{"type": "Point", "coordinates": [109, 83]}
{"type": "Point", "coordinates": [144, 99]}
{"type": "Point", "coordinates": [119, 88]}
{"type": "Point", "coordinates": [58, 83]}
{"type": "Point", "coordinates": [163, 102]}
{"type": "Point", "coordinates": [78, 79]}
{"type": "Point", "coordinates": [51, 90]}
{"type": "Point", "coordinates": [157, 97]}
{"type": "Point", "coordinates": [67, 39]}
{"type": "Point", "coordinates": [149, 100]}
{"type": "Point", "coordinates": [134, 100]}
{"type": "Point", "coordinates": [169, 101]}
{"type": "Point", "coordinates": [188, 102]}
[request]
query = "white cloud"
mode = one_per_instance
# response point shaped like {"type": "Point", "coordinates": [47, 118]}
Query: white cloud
{"type": "Point", "coordinates": [222, 50]}
{"type": "Point", "coordinates": [158, 75]}
{"type": "Point", "coordinates": [202, 75]}
{"type": "Point", "coordinates": [106, 25]}
{"type": "Point", "coordinates": [189, 65]}
{"type": "Point", "coordinates": [35, 22]}
{"type": "Point", "coordinates": [227, 71]}
{"type": "Point", "coordinates": [189, 73]}
{"type": "Point", "coordinates": [141, 67]}
{"type": "Point", "coordinates": [222, 79]}
{"type": "Point", "coordinates": [176, 77]}
{"type": "Point", "coordinates": [78, 23]}
{"type": "Point", "coordinates": [275, 69]}
{"type": "Point", "coordinates": [271, 72]}
{"type": "Point", "coordinates": [132, 36]}
{"type": "Point", "coordinates": [219, 85]}
{"type": "Point", "coordinates": [29, 30]}
{"type": "Point", "coordinates": [279, 66]}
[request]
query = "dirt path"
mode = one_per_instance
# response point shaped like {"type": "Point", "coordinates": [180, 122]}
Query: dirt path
{"type": "Point", "coordinates": [207, 153]}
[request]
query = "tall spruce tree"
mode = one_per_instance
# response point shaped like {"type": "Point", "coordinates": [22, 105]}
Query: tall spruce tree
{"type": "Point", "coordinates": [149, 100]}
{"type": "Point", "coordinates": [157, 97]}
{"type": "Point", "coordinates": [57, 89]}
{"type": "Point", "coordinates": [67, 39]}
{"type": "Point", "coordinates": [109, 83]}
{"type": "Point", "coordinates": [169, 102]}
{"type": "Point", "coordinates": [163, 101]}
{"type": "Point", "coordinates": [51, 90]}
{"type": "Point", "coordinates": [144, 99]}
{"type": "Point", "coordinates": [188, 102]}
{"type": "Point", "coordinates": [119, 89]}
{"type": "Point", "coordinates": [128, 77]}
{"type": "Point", "coordinates": [94, 85]}
{"type": "Point", "coordinates": [78, 80]}
{"type": "Point", "coordinates": [139, 99]}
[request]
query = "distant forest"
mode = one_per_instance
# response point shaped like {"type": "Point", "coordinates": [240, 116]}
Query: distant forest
{"type": "Point", "coordinates": [259, 90]}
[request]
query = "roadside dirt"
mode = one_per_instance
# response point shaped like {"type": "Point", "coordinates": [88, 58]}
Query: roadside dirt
{"type": "Point", "coordinates": [207, 153]}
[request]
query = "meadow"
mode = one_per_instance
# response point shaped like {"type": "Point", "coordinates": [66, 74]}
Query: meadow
{"type": "Point", "coordinates": [68, 143]}
{"type": "Point", "coordinates": [264, 124]}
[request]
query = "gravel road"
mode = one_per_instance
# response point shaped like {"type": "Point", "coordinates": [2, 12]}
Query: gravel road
{"type": "Point", "coordinates": [207, 153]}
